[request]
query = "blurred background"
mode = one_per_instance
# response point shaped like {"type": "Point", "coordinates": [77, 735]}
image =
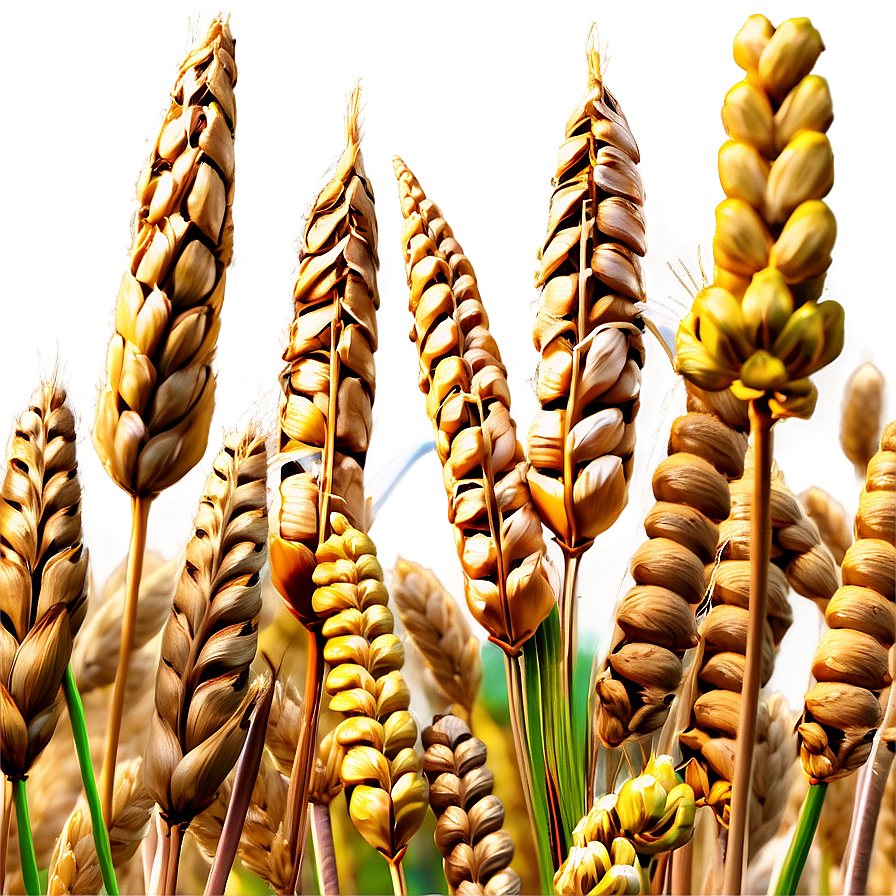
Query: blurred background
{"type": "Point", "coordinates": [474, 97]}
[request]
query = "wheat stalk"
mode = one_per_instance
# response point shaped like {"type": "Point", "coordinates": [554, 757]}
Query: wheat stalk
{"type": "Point", "coordinates": [74, 867]}
{"type": "Point", "coordinates": [437, 630]}
{"type": "Point", "coordinates": [155, 408]}
{"type": "Point", "coordinates": [468, 833]}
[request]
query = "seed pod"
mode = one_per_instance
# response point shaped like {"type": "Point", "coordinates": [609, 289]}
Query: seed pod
{"type": "Point", "coordinates": [328, 382]}
{"type": "Point", "coordinates": [155, 408]}
{"type": "Point", "coordinates": [468, 833]}
{"type": "Point", "coordinates": [843, 710]}
{"type": "Point", "coordinates": [382, 773]}
{"type": "Point", "coordinates": [588, 330]}
{"type": "Point", "coordinates": [508, 579]}
{"type": "Point", "coordinates": [203, 697]}
{"type": "Point", "coordinates": [44, 573]}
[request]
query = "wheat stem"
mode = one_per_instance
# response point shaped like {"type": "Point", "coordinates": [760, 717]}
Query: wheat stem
{"type": "Point", "coordinates": [682, 861]}
{"type": "Point", "coordinates": [172, 840]}
{"type": "Point", "coordinates": [26, 841]}
{"type": "Point", "coordinates": [399, 884]}
{"type": "Point", "coordinates": [297, 797]}
{"type": "Point", "coordinates": [761, 539]}
{"type": "Point", "coordinates": [324, 849]}
{"type": "Point", "coordinates": [82, 746]}
{"type": "Point", "coordinates": [139, 515]}
{"type": "Point", "coordinates": [4, 831]}
{"type": "Point", "coordinates": [569, 644]}
{"type": "Point", "coordinates": [795, 859]}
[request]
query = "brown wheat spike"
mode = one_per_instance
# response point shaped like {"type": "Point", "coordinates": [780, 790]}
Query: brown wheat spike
{"type": "Point", "coordinates": [842, 710]}
{"type": "Point", "coordinates": [655, 622]}
{"type": "Point", "coordinates": [439, 632]}
{"type": "Point", "coordinates": [497, 530]}
{"type": "Point", "coordinates": [202, 689]}
{"type": "Point", "coordinates": [95, 656]}
{"type": "Point", "coordinates": [470, 817]}
{"type": "Point", "coordinates": [155, 409]}
{"type": "Point", "coordinates": [74, 867]}
{"type": "Point", "coordinates": [830, 518]}
{"type": "Point", "coordinates": [861, 415]}
{"type": "Point", "coordinates": [588, 328]}
{"type": "Point", "coordinates": [328, 382]}
{"type": "Point", "coordinates": [44, 574]}
{"type": "Point", "coordinates": [381, 770]}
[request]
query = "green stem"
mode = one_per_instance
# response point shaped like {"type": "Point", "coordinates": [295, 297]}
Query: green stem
{"type": "Point", "coordinates": [82, 746]}
{"type": "Point", "coordinates": [802, 839]}
{"type": "Point", "coordinates": [26, 841]}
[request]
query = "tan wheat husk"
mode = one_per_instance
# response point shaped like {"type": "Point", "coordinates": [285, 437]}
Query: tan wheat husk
{"type": "Point", "coordinates": [74, 867]}
{"type": "Point", "coordinates": [155, 408]}
{"type": "Point", "coordinates": [861, 415]}
{"type": "Point", "coordinates": [842, 710]}
{"type": "Point", "coordinates": [203, 698]}
{"type": "Point", "coordinates": [497, 529]}
{"type": "Point", "coordinates": [439, 632]}
{"type": "Point", "coordinates": [587, 330]}
{"type": "Point", "coordinates": [44, 572]}
{"type": "Point", "coordinates": [324, 431]}
{"type": "Point", "coordinates": [469, 833]}
{"type": "Point", "coordinates": [830, 518]}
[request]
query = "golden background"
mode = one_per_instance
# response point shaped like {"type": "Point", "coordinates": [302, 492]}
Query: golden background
{"type": "Point", "coordinates": [474, 96]}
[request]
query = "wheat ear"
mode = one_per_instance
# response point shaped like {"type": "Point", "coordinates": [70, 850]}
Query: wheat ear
{"type": "Point", "coordinates": [468, 834]}
{"type": "Point", "coordinates": [203, 698]}
{"type": "Point", "coordinates": [861, 416]}
{"type": "Point", "coordinates": [74, 867]}
{"type": "Point", "coordinates": [830, 518]}
{"type": "Point", "coordinates": [439, 633]}
{"type": "Point", "coordinates": [155, 408]}
{"type": "Point", "coordinates": [497, 529]}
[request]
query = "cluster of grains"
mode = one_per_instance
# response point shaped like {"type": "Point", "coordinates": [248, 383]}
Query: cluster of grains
{"type": "Point", "coordinates": [203, 698]}
{"type": "Point", "coordinates": [439, 632]}
{"type": "Point", "coordinates": [861, 416]}
{"type": "Point", "coordinates": [799, 560]}
{"type": "Point", "coordinates": [759, 326]}
{"type": "Point", "coordinates": [588, 329]}
{"type": "Point", "coordinates": [470, 817]}
{"type": "Point", "coordinates": [655, 622]}
{"type": "Point", "coordinates": [328, 382]}
{"type": "Point", "coordinates": [154, 412]}
{"type": "Point", "coordinates": [381, 769]}
{"type": "Point", "coordinates": [830, 517]}
{"type": "Point", "coordinates": [74, 867]}
{"type": "Point", "coordinates": [44, 574]}
{"type": "Point", "coordinates": [651, 814]}
{"type": "Point", "coordinates": [497, 528]}
{"type": "Point", "coordinates": [852, 662]}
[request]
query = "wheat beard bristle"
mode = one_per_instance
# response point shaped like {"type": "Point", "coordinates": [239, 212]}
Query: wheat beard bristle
{"type": "Point", "coordinates": [329, 379]}
{"type": "Point", "coordinates": [154, 411]}
{"type": "Point", "coordinates": [203, 696]}
{"type": "Point", "coordinates": [44, 574]}
{"type": "Point", "coordinates": [507, 577]}
{"type": "Point", "coordinates": [438, 631]}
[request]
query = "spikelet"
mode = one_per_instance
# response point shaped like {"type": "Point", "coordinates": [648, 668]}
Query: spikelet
{"type": "Point", "coordinates": [154, 411]}
{"type": "Point", "coordinates": [74, 867]}
{"type": "Point", "coordinates": [328, 380]}
{"type": "Point", "coordinates": [861, 415]}
{"type": "Point", "coordinates": [284, 724]}
{"type": "Point", "coordinates": [44, 574]}
{"type": "Point", "coordinates": [469, 833]}
{"type": "Point", "coordinates": [497, 530]}
{"type": "Point", "coordinates": [842, 710]}
{"type": "Point", "coordinates": [588, 328]}
{"type": "Point", "coordinates": [203, 698]}
{"type": "Point", "coordinates": [438, 631]}
{"type": "Point", "coordinates": [759, 326]}
{"type": "Point", "coordinates": [655, 622]}
{"type": "Point", "coordinates": [830, 518]}
{"type": "Point", "coordinates": [381, 771]}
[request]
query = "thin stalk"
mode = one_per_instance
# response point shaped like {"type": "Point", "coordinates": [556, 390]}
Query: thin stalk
{"type": "Point", "coordinates": [4, 831]}
{"type": "Point", "coordinates": [399, 884]}
{"type": "Point", "coordinates": [568, 634]}
{"type": "Point", "coordinates": [760, 550]}
{"type": "Point", "coordinates": [682, 861]}
{"type": "Point", "coordinates": [139, 517]}
{"type": "Point", "coordinates": [172, 841]}
{"type": "Point", "coordinates": [82, 747]}
{"type": "Point", "coordinates": [324, 849]}
{"type": "Point", "coordinates": [297, 796]}
{"type": "Point", "coordinates": [867, 807]}
{"type": "Point", "coordinates": [795, 859]}
{"type": "Point", "coordinates": [26, 841]}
